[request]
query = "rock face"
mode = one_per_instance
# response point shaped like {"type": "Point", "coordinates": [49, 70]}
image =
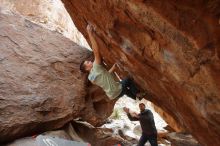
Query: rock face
{"type": "Point", "coordinates": [98, 136]}
{"type": "Point", "coordinates": [180, 139]}
{"type": "Point", "coordinates": [171, 48]}
{"type": "Point", "coordinates": [41, 87]}
{"type": "Point", "coordinates": [169, 119]}
{"type": "Point", "coordinates": [47, 13]}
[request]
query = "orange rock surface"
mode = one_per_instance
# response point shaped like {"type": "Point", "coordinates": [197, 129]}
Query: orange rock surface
{"type": "Point", "coordinates": [171, 48]}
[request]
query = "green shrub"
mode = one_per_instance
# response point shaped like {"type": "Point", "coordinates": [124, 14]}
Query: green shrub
{"type": "Point", "coordinates": [116, 114]}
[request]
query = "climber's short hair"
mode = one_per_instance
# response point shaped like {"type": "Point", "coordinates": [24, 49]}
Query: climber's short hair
{"type": "Point", "coordinates": [82, 67]}
{"type": "Point", "coordinates": [142, 104]}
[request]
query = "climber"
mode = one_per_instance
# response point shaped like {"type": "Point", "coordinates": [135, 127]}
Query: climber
{"type": "Point", "coordinates": [98, 75]}
{"type": "Point", "coordinates": [149, 132]}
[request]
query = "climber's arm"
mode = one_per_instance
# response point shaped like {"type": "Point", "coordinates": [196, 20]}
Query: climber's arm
{"type": "Point", "coordinates": [112, 68]}
{"type": "Point", "coordinates": [94, 44]}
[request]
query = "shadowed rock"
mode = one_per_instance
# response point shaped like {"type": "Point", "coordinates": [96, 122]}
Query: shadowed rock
{"type": "Point", "coordinates": [98, 136]}
{"type": "Point", "coordinates": [181, 139]}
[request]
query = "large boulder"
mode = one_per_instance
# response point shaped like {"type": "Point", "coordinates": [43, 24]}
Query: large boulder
{"type": "Point", "coordinates": [98, 136]}
{"type": "Point", "coordinates": [171, 48]}
{"type": "Point", "coordinates": [181, 139]}
{"type": "Point", "coordinates": [41, 87]}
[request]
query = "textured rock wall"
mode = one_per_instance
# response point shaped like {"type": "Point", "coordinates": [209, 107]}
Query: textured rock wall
{"type": "Point", "coordinates": [98, 136]}
{"type": "Point", "coordinates": [169, 120]}
{"type": "Point", "coordinates": [171, 48]}
{"type": "Point", "coordinates": [47, 13]}
{"type": "Point", "coordinates": [41, 87]}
